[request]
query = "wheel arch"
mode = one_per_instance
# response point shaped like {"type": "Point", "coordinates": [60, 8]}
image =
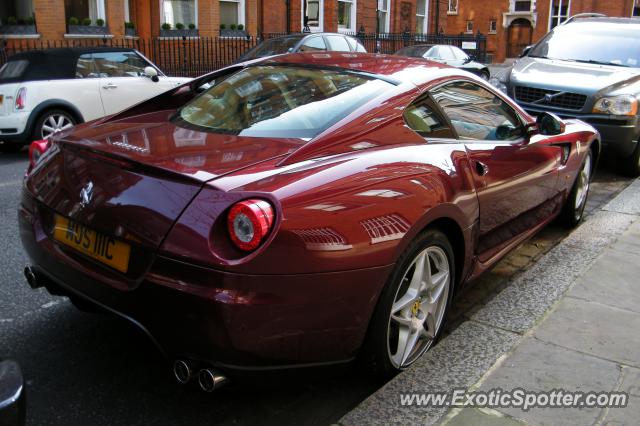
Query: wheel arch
{"type": "Point", "coordinates": [53, 104]}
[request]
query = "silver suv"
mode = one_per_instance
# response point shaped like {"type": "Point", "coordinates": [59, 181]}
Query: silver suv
{"type": "Point", "coordinates": [587, 68]}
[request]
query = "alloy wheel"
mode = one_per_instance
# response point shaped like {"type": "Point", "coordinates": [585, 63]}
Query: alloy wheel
{"type": "Point", "coordinates": [419, 305]}
{"type": "Point", "coordinates": [582, 187]}
{"type": "Point", "coordinates": [55, 123]}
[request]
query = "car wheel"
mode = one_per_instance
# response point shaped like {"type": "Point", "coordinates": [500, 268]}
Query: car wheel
{"type": "Point", "coordinates": [633, 165]}
{"type": "Point", "coordinates": [52, 122]}
{"type": "Point", "coordinates": [573, 210]}
{"type": "Point", "coordinates": [8, 147]}
{"type": "Point", "coordinates": [485, 75]}
{"type": "Point", "coordinates": [413, 305]}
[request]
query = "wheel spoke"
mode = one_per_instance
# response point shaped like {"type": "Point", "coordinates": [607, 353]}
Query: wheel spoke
{"type": "Point", "coordinates": [430, 329]}
{"type": "Point", "coordinates": [52, 121]}
{"type": "Point", "coordinates": [60, 121]}
{"type": "Point", "coordinates": [400, 320]}
{"type": "Point", "coordinates": [403, 338]}
{"type": "Point", "coordinates": [48, 128]}
{"type": "Point", "coordinates": [67, 126]}
{"type": "Point", "coordinates": [409, 297]}
{"type": "Point", "coordinates": [410, 345]}
{"type": "Point", "coordinates": [421, 269]}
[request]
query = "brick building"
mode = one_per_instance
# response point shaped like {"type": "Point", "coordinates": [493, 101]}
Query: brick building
{"type": "Point", "coordinates": [69, 19]}
{"type": "Point", "coordinates": [511, 25]}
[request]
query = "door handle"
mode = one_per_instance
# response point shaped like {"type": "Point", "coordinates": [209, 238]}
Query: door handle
{"type": "Point", "coordinates": [481, 168]}
{"type": "Point", "coordinates": [109, 86]}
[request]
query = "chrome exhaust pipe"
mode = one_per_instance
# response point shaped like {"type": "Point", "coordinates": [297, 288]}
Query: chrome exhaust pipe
{"type": "Point", "coordinates": [210, 380]}
{"type": "Point", "coordinates": [183, 371]}
{"type": "Point", "coordinates": [31, 277]}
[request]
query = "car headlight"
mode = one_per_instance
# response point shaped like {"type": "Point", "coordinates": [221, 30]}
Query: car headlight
{"type": "Point", "coordinates": [498, 84]}
{"type": "Point", "coordinates": [617, 105]}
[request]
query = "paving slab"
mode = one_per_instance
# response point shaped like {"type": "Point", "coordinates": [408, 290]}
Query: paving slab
{"type": "Point", "coordinates": [537, 366]}
{"type": "Point", "coordinates": [593, 328]}
{"type": "Point", "coordinates": [629, 415]}
{"type": "Point", "coordinates": [629, 243]}
{"type": "Point", "coordinates": [458, 361]}
{"type": "Point", "coordinates": [613, 280]}
{"type": "Point", "coordinates": [479, 417]}
{"type": "Point", "coordinates": [629, 205]}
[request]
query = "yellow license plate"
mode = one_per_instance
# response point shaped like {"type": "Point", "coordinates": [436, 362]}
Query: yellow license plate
{"type": "Point", "coordinates": [101, 247]}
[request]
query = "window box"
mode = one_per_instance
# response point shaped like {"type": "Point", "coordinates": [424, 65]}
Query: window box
{"type": "Point", "coordinates": [130, 32]}
{"type": "Point", "coordinates": [179, 33]}
{"type": "Point", "coordinates": [233, 33]}
{"type": "Point", "coordinates": [18, 29]}
{"type": "Point", "coordinates": [88, 30]}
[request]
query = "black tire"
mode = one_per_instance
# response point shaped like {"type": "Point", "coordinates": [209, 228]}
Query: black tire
{"type": "Point", "coordinates": [573, 209]}
{"type": "Point", "coordinates": [633, 163]}
{"type": "Point", "coordinates": [38, 132]}
{"type": "Point", "coordinates": [376, 352]}
{"type": "Point", "coordinates": [485, 75]}
{"type": "Point", "coordinates": [9, 147]}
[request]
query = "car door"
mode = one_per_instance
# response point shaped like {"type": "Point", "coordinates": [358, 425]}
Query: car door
{"type": "Point", "coordinates": [460, 58]}
{"type": "Point", "coordinates": [516, 178]}
{"type": "Point", "coordinates": [82, 91]}
{"type": "Point", "coordinates": [123, 82]}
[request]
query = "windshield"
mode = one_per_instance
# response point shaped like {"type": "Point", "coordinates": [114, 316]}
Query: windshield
{"type": "Point", "coordinates": [274, 46]}
{"type": "Point", "coordinates": [279, 101]}
{"type": "Point", "coordinates": [413, 51]}
{"type": "Point", "coordinates": [594, 42]}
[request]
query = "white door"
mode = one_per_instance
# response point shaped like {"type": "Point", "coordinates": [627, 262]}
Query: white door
{"type": "Point", "coordinates": [122, 80]}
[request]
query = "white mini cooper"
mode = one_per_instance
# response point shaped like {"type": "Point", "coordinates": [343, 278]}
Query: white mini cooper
{"type": "Point", "coordinates": [45, 91]}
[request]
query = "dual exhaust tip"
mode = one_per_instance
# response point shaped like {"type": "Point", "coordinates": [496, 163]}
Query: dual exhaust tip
{"type": "Point", "coordinates": [208, 378]}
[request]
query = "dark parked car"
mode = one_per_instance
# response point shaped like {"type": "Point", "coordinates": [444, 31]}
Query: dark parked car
{"type": "Point", "coordinates": [302, 210]}
{"type": "Point", "coordinates": [12, 394]}
{"type": "Point", "coordinates": [315, 42]}
{"type": "Point", "coordinates": [446, 54]}
{"type": "Point", "coordinates": [587, 68]}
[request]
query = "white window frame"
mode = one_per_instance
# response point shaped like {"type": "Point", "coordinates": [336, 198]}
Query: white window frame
{"type": "Point", "coordinates": [493, 30]}
{"type": "Point", "coordinates": [553, 17]}
{"type": "Point", "coordinates": [425, 17]}
{"type": "Point", "coordinates": [241, 11]}
{"type": "Point", "coordinates": [352, 24]}
{"type": "Point", "coordinates": [320, 27]}
{"type": "Point", "coordinates": [387, 21]}
{"type": "Point", "coordinates": [127, 18]}
{"type": "Point", "coordinates": [195, 10]}
{"type": "Point", "coordinates": [452, 7]}
{"type": "Point", "coordinates": [531, 7]}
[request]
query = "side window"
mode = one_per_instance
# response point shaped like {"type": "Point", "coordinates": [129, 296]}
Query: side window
{"type": "Point", "coordinates": [338, 44]}
{"type": "Point", "coordinates": [458, 53]}
{"type": "Point", "coordinates": [476, 113]}
{"type": "Point", "coordinates": [360, 48]}
{"type": "Point", "coordinates": [119, 64]}
{"type": "Point", "coordinates": [422, 117]}
{"type": "Point", "coordinates": [85, 68]}
{"type": "Point", "coordinates": [432, 53]}
{"type": "Point", "coordinates": [445, 53]}
{"type": "Point", "coordinates": [352, 43]}
{"type": "Point", "coordinates": [313, 44]}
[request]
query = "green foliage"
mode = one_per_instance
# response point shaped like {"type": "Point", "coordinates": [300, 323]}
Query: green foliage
{"type": "Point", "coordinates": [240, 27]}
{"type": "Point", "coordinates": [11, 20]}
{"type": "Point", "coordinates": [100, 22]}
{"type": "Point", "coordinates": [130, 25]}
{"type": "Point", "coordinates": [192, 26]}
{"type": "Point", "coordinates": [233, 27]}
{"type": "Point", "coordinates": [179, 26]}
{"type": "Point", "coordinates": [73, 21]}
{"type": "Point", "coordinates": [166, 26]}
{"type": "Point", "coordinates": [86, 21]}
{"type": "Point", "coordinates": [29, 20]}
{"type": "Point", "coordinates": [223, 27]}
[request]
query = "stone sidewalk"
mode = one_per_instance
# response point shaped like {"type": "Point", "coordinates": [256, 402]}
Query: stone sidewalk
{"type": "Point", "coordinates": [569, 322]}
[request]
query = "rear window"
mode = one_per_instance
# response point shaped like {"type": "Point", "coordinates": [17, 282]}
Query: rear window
{"type": "Point", "coordinates": [13, 69]}
{"type": "Point", "coordinates": [274, 46]}
{"type": "Point", "coordinates": [278, 101]}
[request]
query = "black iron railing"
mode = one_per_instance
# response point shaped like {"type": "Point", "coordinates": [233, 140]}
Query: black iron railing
{"type": "Point", "coordinates": [198, 55]}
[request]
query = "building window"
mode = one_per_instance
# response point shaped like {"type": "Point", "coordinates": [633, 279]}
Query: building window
{"type": "Point", "coordinates": [452, 9]}
{"type": "Point", "coordinates": [231, 13]}
{"type": "Point", "coordinates": [85, 9]}
{"type": "Point", "coordinates": [559, 12]}
{"type": "Point", "coordinates": [312, 15]}
{"type": "Point", "coordinates": [522, 5]}
{"type": "Point", "coordinates": [347, 15]}
{"type": "Point", "coordinates": [493, 26]}
{"type": "Point", "coordinates": [20, 10]}
{"type": "Point", "coordinates": [636, 9]}
{"type": "Point", "coordinates": [183, 12]}
{"type": "Point", "coordinates": [383, 16]}
{"type": "Point", "coordinates": [422, 16]}
{"type": "Point", "coordinates": [469, 29]}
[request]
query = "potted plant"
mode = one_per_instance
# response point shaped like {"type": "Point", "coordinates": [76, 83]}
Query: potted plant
{"type": "Point", "coordinates": [86, 26]}
{"type": "Point", "coordinates": [179, 30]}
{"type": "Point", "coordinates": [235, 30]}
{"type": "Point", "coordinates": [15, 26]}
{"type": "Point", "coordinates": [130, 29]}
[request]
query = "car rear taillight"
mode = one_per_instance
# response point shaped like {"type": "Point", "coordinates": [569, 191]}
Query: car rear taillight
{"type": "Point", "coordinates": [21, 99]}
{"type": "Point", "coordinates": [36, 149]}
{"type": "Point", "coordinates": [249, 222]}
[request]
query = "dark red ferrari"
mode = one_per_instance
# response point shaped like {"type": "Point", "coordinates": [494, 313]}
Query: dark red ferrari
{"type": "Point", "coordinates": [300, 210]}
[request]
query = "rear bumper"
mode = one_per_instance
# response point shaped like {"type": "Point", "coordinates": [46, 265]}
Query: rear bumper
{"type": "Point", "coordinates": [232, 321]}
{"type": "Point", "coordinates": [13, 127]}
{"type": "Point", "coordinates": [619, 134]}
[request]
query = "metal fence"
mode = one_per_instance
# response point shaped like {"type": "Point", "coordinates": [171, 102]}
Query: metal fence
{"type": "Point", "coordinates": [191, 57]}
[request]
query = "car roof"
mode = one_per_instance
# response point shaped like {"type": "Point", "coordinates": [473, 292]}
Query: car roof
{"type": "Point", "coordinates": [399, 69]}
{"type": "Point", "coordinates": [605, 19]}
{"type": "Point", "coordinates": [54, 64]}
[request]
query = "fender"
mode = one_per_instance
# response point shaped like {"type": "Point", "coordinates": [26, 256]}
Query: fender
{"type": "Point", "coordinates": [53, 103]}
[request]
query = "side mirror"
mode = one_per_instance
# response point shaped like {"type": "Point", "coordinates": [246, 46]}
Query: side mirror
{"type": "Point", "coordinates": [12, 394]}
{"type": "Point", "coordinates": [526, 50]}
{"type": "Point", "coordinates": [550, 124]}
{"type": "Point", "coordinates": [152, 73]}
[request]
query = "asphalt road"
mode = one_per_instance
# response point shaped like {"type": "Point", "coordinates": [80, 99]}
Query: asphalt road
{"type": "Point", "coordinates": [95, 369]}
